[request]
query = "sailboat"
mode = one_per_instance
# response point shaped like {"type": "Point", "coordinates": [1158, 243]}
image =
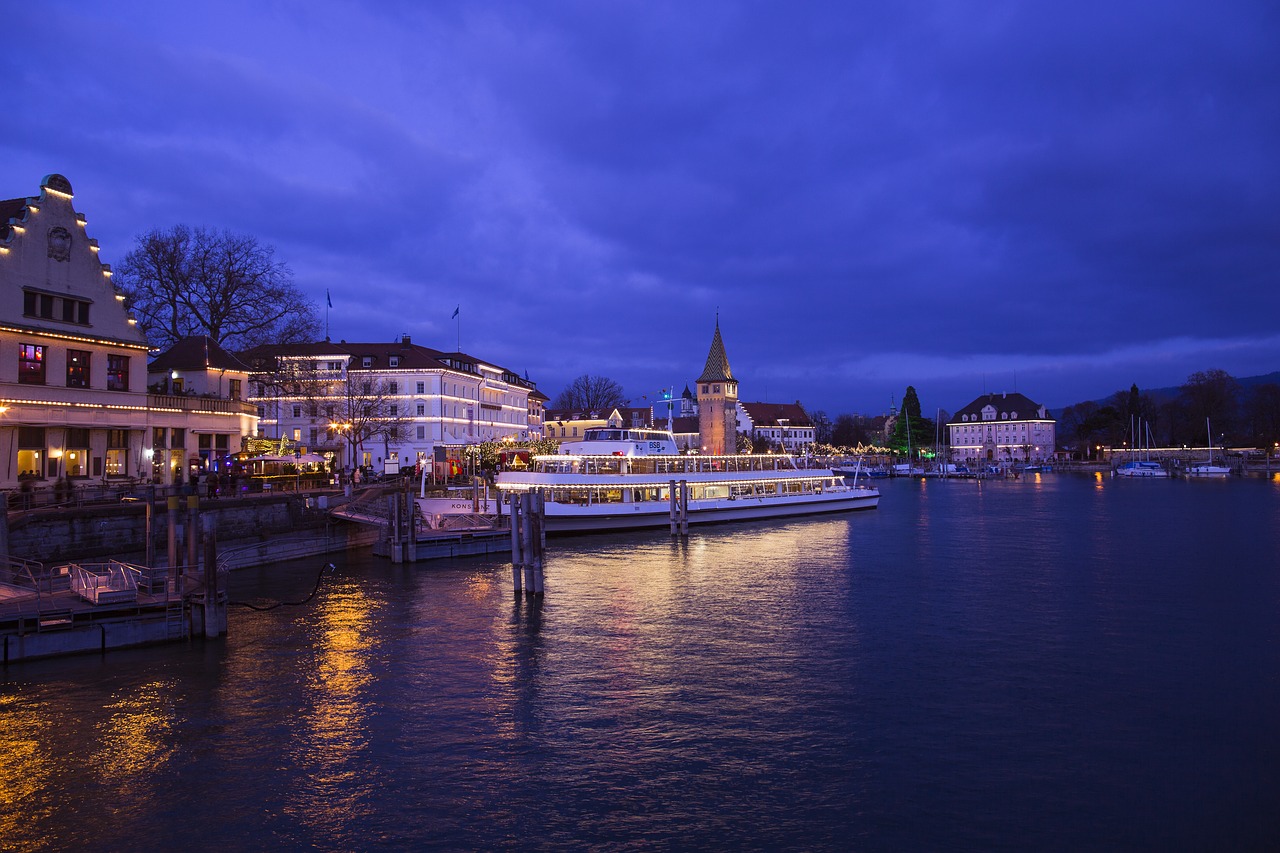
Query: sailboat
{"type": "Point", "coordinates": [906, 469]}
{"type": "Point", "coordinates": [1143, 467]}
{"type": "Point", "coordinates": [1207, 468]}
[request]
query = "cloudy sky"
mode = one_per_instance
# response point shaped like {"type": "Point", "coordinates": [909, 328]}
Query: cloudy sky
{"type": "Point", "coordinates": [1061, 199]}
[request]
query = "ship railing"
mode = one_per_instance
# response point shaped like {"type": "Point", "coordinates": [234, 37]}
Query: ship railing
{"type": "Point", "coordinates": [663, 464]}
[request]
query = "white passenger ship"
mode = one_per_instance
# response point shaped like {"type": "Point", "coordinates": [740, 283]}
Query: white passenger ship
{"type": "Point", "coordinates": [617, 479]}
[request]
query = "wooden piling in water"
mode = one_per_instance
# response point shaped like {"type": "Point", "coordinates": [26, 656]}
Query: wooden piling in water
{"type": "Point", "coordinates": [193, 530]}
{"type": "Point", "coordinates": [173, 541]}
{"type": "Point", "coordinates": [684, 507]}
{"type": "Point", "coordinates": [517, 555]}
{"type": "Point", "coordinates": [679, 503]}
{"type": "Point", "coordinates": [672, 497]}
{"type": "Point", "coordinates": [212, 620]}
{"type": "Point", "coordinates": [539, 538]}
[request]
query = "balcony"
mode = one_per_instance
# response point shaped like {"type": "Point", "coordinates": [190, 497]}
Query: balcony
{"type": "Point", "coordinates": [200, 403]}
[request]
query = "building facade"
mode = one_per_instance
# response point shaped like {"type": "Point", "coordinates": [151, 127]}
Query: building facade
{"type": "Point", "coordinates": [78, 400]}
{"type": "Point", "coordinates": [1002, 429]}
{"type": "Point", "coordinates": [73, 363]}
{"type": "Point", "coordinates": [571, 424]}
{"type": "Point", "coordinates": [777, 424]}
{"type": "Point", "coordinates": [198, 412]}
{"type": "Point", "coordinates": [387, 405]}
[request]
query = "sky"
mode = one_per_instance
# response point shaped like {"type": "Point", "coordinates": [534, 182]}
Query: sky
{"type": "Point", "coordinates": [1059, 199]}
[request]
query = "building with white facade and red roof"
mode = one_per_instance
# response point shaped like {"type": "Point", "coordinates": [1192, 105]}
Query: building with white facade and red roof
{"type": "Point", "coordinates": [388, 405]}
{"type": "Point", "coordinates": [782, 424]}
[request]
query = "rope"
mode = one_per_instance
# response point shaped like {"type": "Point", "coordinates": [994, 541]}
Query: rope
{"type": "Point", "coordinates": [327, 567]}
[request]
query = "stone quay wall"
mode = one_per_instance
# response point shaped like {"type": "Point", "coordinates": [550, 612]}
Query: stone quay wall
{"type": "Point", "coordinates": [118, 531]}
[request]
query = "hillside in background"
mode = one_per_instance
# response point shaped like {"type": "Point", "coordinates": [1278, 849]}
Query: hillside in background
{"type": "Point", "coordinates": [1163, 395]}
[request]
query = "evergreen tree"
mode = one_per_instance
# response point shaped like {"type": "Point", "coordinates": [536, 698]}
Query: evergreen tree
{"type": "Point", "coordinates": [910, 418]}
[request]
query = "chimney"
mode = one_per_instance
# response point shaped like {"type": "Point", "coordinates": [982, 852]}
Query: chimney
{"type": "Point", "coordinates": [405, 342]}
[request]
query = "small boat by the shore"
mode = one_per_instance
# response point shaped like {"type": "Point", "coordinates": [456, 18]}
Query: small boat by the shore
{"type": "Point", "coordinates": [1207, 468]}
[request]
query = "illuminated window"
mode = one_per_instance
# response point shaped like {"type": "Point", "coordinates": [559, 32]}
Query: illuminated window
{"type": "Point", "coordinates": [117, 452]}
{"type": "Point", "coordinates": [117, 372]}
{"type": "Point", "coordinates": [234, 392]}
{"type": "Point", "coordinates": [77, 368]}
{"type": "Point", "coordinates": [31, 364]}
{"type": "Point", "coordinates": [76, 457]}
{"type": "Point", "coordinates": [31, 452]}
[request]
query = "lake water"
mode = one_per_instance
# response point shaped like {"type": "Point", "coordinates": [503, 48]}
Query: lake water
{"type": "Point", "coordinates": [1059, 663]}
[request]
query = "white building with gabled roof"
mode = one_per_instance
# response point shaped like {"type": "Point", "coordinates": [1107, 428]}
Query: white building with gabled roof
{"type": "Point", "coordinates": [1002, 428]}
{"type": "Point", "coordinates": [73, 362]}
{"type": "Point", "coordinates": [438, 402]}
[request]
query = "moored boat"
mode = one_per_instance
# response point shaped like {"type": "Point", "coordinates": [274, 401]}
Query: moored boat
{"type": "Point", "coordinates": [619, 479]}
{"type": "Point", "coordinates": [1141, 469]}
{"type": "Point", "coordinates": [1208, 468]}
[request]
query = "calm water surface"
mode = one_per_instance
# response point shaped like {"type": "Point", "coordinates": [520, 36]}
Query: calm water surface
{"type": "Point", "coordinates": [1064, 663]}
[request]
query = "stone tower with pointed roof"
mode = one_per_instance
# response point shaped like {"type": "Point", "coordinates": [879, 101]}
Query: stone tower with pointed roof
{"type": "Point", "coordinates": [718, 401]}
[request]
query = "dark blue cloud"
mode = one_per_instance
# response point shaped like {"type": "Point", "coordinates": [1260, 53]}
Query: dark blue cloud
{"type": "Point", "coordinates": [933, 194]}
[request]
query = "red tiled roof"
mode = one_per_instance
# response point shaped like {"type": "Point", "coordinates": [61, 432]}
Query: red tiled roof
{"type": "Point", "coordinates": [770, 414]}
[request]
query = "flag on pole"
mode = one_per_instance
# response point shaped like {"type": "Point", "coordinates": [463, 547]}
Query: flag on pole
{"type": "Point", "coordinates": [455, 312]}
{"type": "Point", "coordinates": [328, 298]}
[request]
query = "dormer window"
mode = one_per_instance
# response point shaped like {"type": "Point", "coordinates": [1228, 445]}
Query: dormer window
{"type": "Point", "coordinates": [394, 361]}
{"type": "Point", "coordinates": [367, 361]}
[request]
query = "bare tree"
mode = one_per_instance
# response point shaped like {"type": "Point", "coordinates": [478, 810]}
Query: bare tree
{"type": "Point", "coordinates": [1211, 394]}
{"type": "Point", "coordinates": [365, 409]}
{"type": "Point", "coordinates": [184, 281]}
{"type": "Point", "coordinates": [590, 393]}
{"type": "Point", "coordinates": [356, 408]}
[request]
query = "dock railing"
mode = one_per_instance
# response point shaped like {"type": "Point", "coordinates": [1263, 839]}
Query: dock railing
{"type": "Point", "coordinates": [105, 583]}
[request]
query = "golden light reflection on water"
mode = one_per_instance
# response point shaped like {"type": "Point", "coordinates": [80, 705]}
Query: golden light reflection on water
{"type": "Point", "coordinates": [631, 610]}
{"type": "Point", "coordinates": [136, 738]}
{"type": "Point", "coordinates": [332, 731]}
{"type": "Point", "coordinates": [26, 767]}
